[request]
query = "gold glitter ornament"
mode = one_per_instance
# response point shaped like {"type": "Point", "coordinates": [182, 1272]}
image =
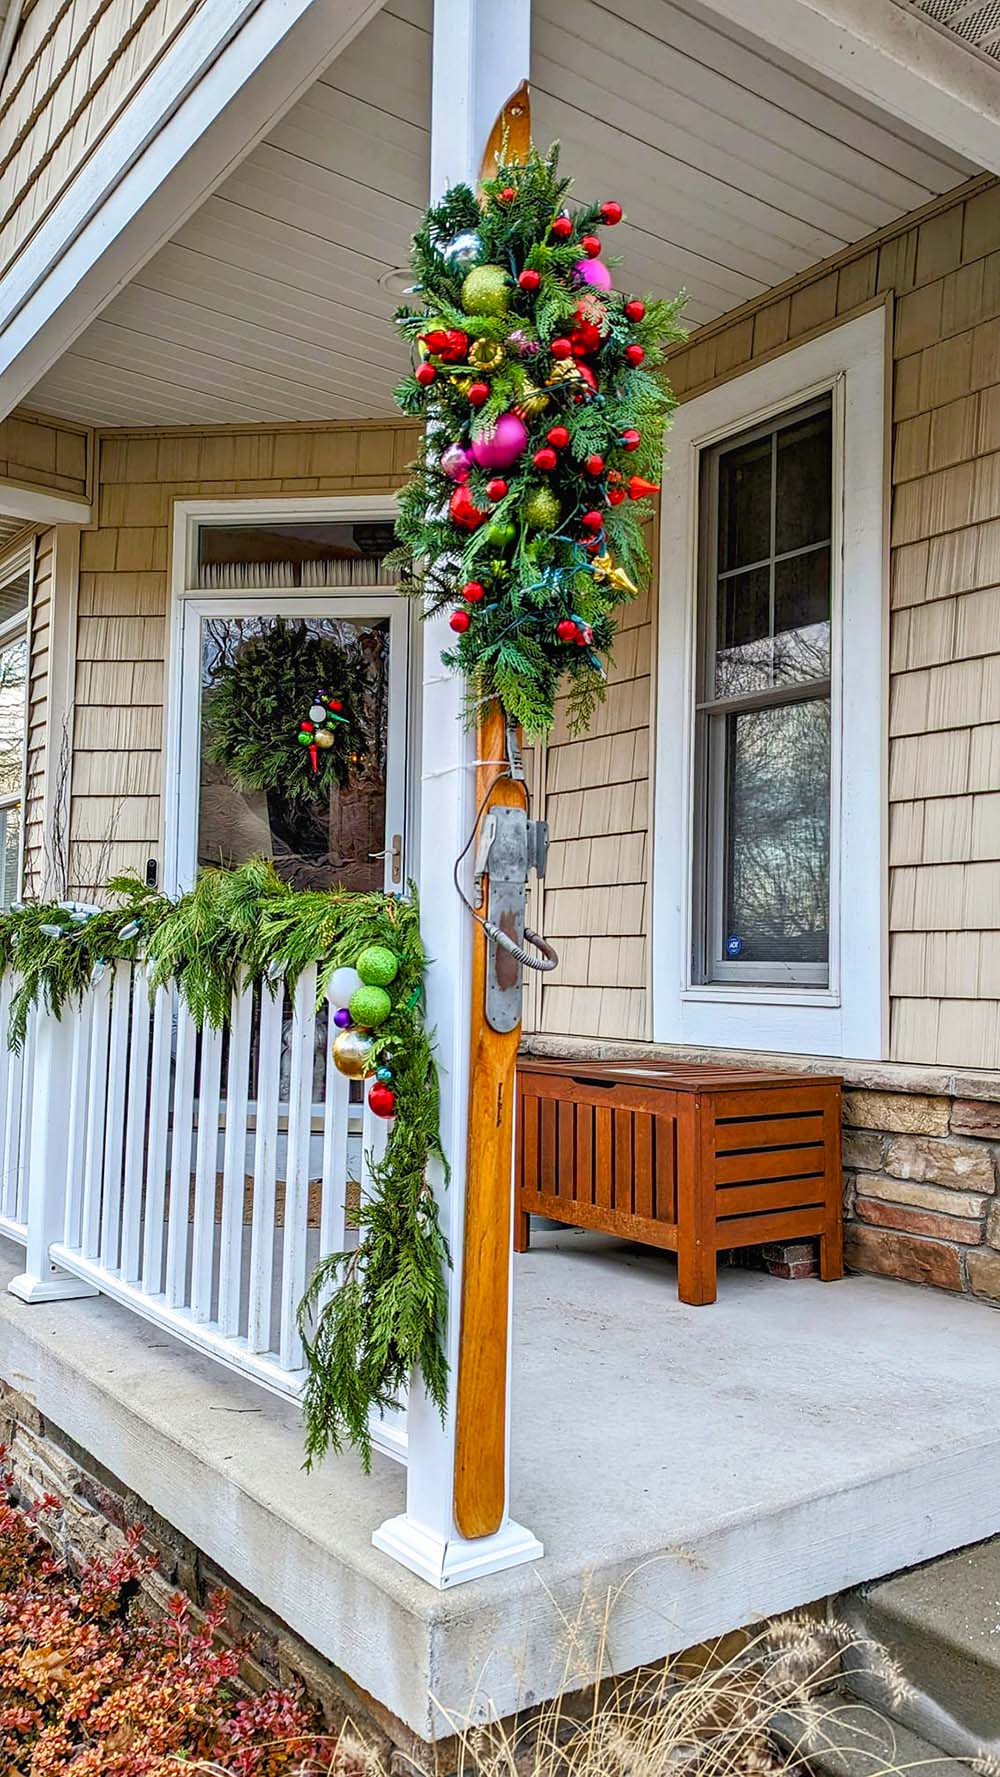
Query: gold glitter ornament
{"type": "Point", "coordinates": [486, 354]}
{"type": "Point", "coordinates": [323, 738]}
{"type": "Point", "coordinates": [566, 371]}
{"type": "Point", "coordinates": [605, 570]}
{"type": "Point", "coordinates": [352, 1052]}
{"type": "Point", "coordinates": [531, 402]}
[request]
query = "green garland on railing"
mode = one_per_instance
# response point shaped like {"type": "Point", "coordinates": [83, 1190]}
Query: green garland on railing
{"type": "Point", "coordinates": [372, 1315]}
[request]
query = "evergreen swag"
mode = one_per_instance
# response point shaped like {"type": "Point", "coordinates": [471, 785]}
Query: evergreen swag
{"type": "Point", "coordinates": [534, 556]}
{"type": "Point", "coordinates": [258, 701]}
{"type": "Point", "coordinates": [370, 1315]}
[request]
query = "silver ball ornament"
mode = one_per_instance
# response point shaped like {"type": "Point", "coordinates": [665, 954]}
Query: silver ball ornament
{"type": "Point", "coordinates": [462, 251]}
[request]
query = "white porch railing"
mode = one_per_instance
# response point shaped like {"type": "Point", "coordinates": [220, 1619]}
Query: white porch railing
{"type": "Point", "coordinates": [15, 1113]}
{"type": "Point", "coordinates": [206, 1170]}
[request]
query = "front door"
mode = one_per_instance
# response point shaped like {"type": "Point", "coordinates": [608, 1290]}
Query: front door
{"type": "Point", "coordinates": [263, 604]}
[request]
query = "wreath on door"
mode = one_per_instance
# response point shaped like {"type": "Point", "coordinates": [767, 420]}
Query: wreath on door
{"type": "Point", "coordinates": [280, 716]}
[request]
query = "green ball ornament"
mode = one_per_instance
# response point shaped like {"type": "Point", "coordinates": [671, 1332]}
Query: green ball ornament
{"type": "Point", "coordinates": [486, 290]}
{"type": "Point", "coordinates": [501, 533]}
{"type": "Point", "coordinates": [377, 965]}
{"type": "Point", "coordinates": [370, 1007]}
{"type": "Point", "coordinates": [542, 510]}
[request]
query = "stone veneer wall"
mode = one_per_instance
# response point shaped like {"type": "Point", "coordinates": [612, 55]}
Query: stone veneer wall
{"type": "Point", "coordinates": [920, 1180]}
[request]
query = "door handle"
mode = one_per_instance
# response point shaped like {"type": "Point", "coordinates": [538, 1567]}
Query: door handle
{"type": "Point", "coordinates": [395, 856]}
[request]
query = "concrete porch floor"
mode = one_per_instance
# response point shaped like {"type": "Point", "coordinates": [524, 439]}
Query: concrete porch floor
{"type": "Point", "coordinates": [710, 1465]}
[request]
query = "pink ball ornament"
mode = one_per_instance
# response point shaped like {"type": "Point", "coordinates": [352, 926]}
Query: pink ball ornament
{"type": "Point", "coordinates": [456, 462]}
{"type": "Point", "coordinates": [593, 272]}
{"type": "Point", "coordinates": [507, 441]}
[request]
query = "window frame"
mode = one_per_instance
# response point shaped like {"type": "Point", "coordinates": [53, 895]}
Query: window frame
{"type": "Point", "coordinates": [850, 1015]}
{"type": "Point", "coordinates": [13, 629]}
{"type": "Point", "coordinates": [709, 967]}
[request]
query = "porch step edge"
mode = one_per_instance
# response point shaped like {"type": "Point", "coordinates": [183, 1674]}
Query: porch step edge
{"type": "Point", "coordinates": [853, 1739]}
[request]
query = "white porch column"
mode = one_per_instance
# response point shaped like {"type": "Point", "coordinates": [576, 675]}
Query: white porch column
{"type": "Point", "coordinates": [481, 54]}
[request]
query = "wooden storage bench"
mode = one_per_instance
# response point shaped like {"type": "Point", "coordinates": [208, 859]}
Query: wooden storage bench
{"type": "Point", "coordinates": [691, 1157]}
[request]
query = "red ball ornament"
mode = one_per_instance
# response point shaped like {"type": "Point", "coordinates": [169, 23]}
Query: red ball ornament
{"type": "Point", "coordinates": [640, 489]}
{"type": "Point", "coordinates": [473, 591]}
{"type": "Point", "coordinates": [425, 374]}
{"type": "Point", "coordinates": [464, 511]}
{"type": "Point", "coordinates": [631, 439]}
{"type": "Point", "coordinates": [634, 354]}
{"type": "Point", "coordinates": [507, 195]}
{"type": "Point", "coordinates": [561, 348]}
{"type": "Point", "coordinates": [561, 228]}
{"type": "Point", "coordinates": [566, 630]}
{"type": "Point", "coordinates": [529, 279]}
{"type": "Point", "coordinates": [478, 393]}
{"type": "Point", "coordinates": [616, 495]}
{"type": "Point", "coordinates": [545, 458]}
{"type": "Point", "coordinates": [381, 1100]}
{"type": "Point", "coordinates": [585, 339]}
{"type": "Point", "coordinates": [592, 545]}
{"type": "Point", "coordinates": [611, 212]}
{"type": "Point", "coordinates": [585, 636]}
{"type": "Point", "coordinates": [496, 488]}
{"type": "Point", "coordinates": [594, 465]}
{"type": "Point", "coordinates": [635, 309]}
{"type": "Point", "coordinates": [593, 521]}
{"type": "Point", "coordinates": [459, 622]}
{"type": "Point", "coordinates": [591, 245]}
{"type": "Point", "coordinates": [587, 375]}
{"type": "Point", "coordinates": [335, 704]}
{"type": "Point", "coordinates": [559, 436]}
{"type": "Point", "coordinates": [306, 727]}
{"type": "Point", "coordinates": [450, 343]}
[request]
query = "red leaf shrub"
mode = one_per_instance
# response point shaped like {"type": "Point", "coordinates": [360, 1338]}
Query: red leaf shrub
{"type": "Point", "coordinates": [90, 1686]}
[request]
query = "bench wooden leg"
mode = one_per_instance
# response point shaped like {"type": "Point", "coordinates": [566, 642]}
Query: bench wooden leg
{"type": "Point", "coordinates": [831, 1257]}
{"type": "Point", "coordinates": [522, 1230]}
{"type": "Point", "coordinates": [696, 1275]}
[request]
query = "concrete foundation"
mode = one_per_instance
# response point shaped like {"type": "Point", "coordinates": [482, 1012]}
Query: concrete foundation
{"type": "Point", "coordinates": [688, 1469]}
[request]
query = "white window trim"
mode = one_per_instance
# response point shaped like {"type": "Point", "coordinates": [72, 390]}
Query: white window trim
{"type": "Point", "coordinates": [178, 812]}
{"type": "Point", "coordinates": [850, 1016]}
{"type": "Point", "coordinates": [23, 561]}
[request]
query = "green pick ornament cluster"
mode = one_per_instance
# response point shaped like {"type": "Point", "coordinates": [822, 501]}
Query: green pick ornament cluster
{"type": "Point", "coordinates": [362, 1006]}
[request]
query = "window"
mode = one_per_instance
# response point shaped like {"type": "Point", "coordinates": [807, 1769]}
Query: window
{"type": "Point", "coordinates": [763, 722]}
{"type": "Point", "coordinates": [15, 591]}
{"type": "Point", "coordinates": [769, 894]}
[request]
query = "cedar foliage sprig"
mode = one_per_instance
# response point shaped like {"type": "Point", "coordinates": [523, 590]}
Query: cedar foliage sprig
{"type": "Point", "coordinates": [372, 1315]}
{"type": "Point", "coordinates": [511, 648]}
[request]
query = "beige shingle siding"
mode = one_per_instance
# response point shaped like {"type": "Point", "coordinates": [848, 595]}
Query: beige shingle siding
{"type": "Point", "coordinates": [75, 64]}
{"type": "Point", "coordinates": [122, 628]}
{"type": "Point", "coordinates": [944, 703]}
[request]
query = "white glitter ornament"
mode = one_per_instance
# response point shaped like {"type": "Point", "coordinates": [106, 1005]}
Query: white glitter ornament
{"type": "Point", "coordinates": [344, 983]}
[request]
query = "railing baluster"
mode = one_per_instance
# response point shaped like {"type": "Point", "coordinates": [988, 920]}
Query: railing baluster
{"type": "Point", "coordinates": [234, 1163]}
{"type": "Point", "coordinates": [97, 1098]}
{"type": "Point", "coordinates": [8, 1185]}
{"type": "Point", "coordinates": [336, 1117]}
{"type": "Point", "coordinates": [12, 1160]}
{"type": "Point", "coordinates": [294, 1246]}
{"type": "Point", "coordinates": [206, 1169]}
{"type": "Point", "coordinates": [180, 1157]}
{"type": "Point", "coordinates": [156, 1151]}
{"type": "Point", "coordinates": [135, 1132]}
{"type": "Point", "coordinates": [114, 1128]}
{"type": "Point", "coordinates": [265, 1159]}
{"type": "Point", "coordinates": [77, 1120]}
{"type": "Point", "coordinates": [20, 1180]}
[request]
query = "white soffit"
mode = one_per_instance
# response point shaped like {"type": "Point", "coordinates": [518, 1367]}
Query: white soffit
{"type": "Point", "coordinates": [976, 23]}
{"type": "Point", "coordinates": [737, 168]}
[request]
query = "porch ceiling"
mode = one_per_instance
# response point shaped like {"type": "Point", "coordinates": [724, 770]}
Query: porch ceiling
{"type": "Point", "coordinates": [737, 169]}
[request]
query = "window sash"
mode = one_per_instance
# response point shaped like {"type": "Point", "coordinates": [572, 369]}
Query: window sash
{"type": "Point", "coordinates": [709, 878]}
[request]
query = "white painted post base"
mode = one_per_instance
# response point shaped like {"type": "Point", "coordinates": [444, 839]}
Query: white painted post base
{"type": "Point", "coordinates": [60, 1287]}
{"type": "Point", "coordinates": [445, 1562]}
{"type": "Point", "coordinates": [47, 1165]}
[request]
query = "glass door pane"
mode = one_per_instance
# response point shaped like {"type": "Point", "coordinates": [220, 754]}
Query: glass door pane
{"type": "Point", "coordinates": [346, 834]}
